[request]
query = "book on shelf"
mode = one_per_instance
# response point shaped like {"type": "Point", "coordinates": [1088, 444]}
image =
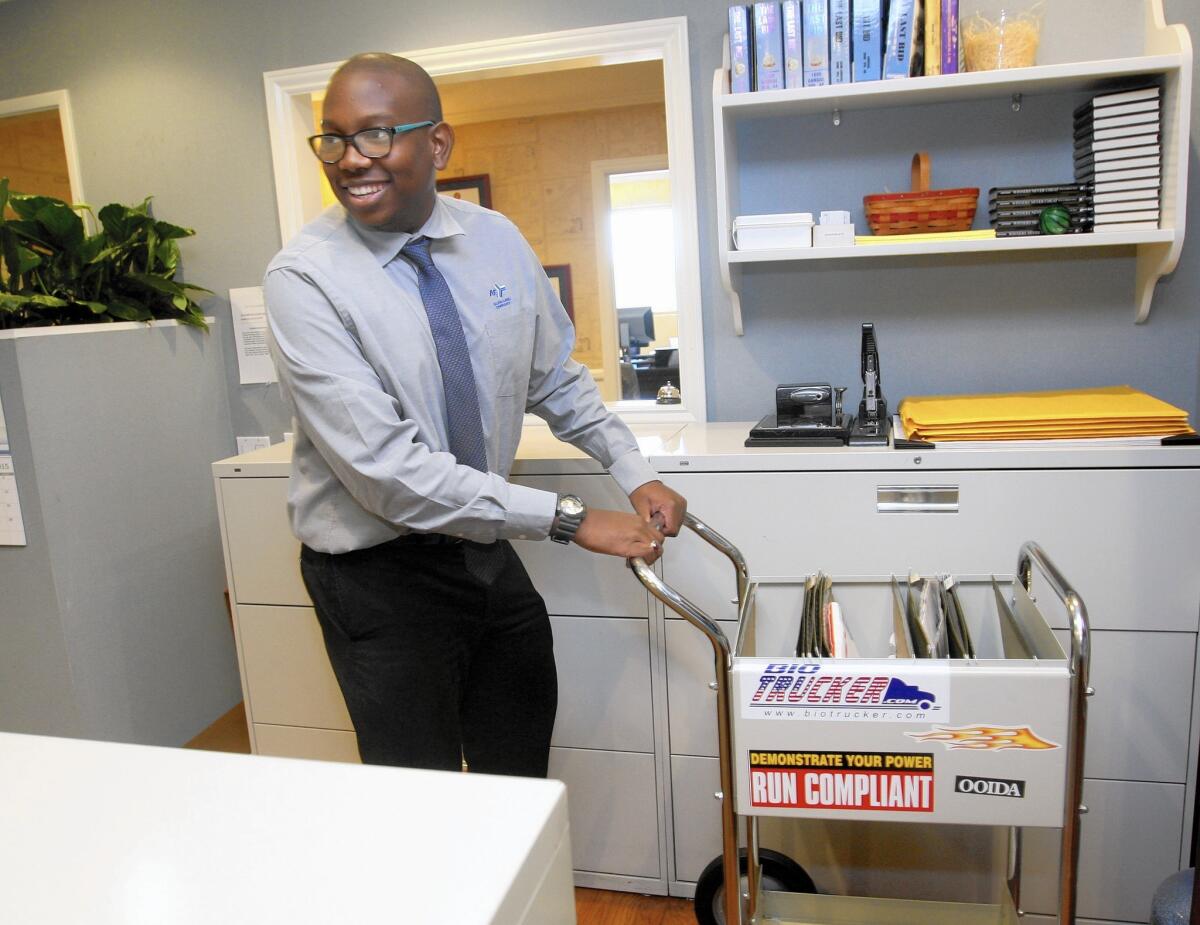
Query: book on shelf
{"type": "Point", "coordinates": [1136, 194]}
{"type": "Point", "coordinates": [950, 44]}
{"type": "Point", "coordinates": [1125, 205]}
{"type": "Point", "coordinates": [793, 44]}
{"type": "Point", "coordinates": [1088, 143]}
{"type": "Point", "coordinates": [933, 37]}
{"type": "Point", "coordinates": [1078, 222]}
{"type": "Point", "coordinates": [1132, 130]}
{"type": "Point", "coordinates": [815, 22]}
{"type": "Point", "coordinates": [1121, 126]}
{"type": "Point", "coordinates": [866, 43]}
{"type": "Point", "coordinates": [1104, 221]}
{"type": "Point", "coordinates": [1131, 226]}
{"type": "Point", "coordinates": [1034, 232]}
{"type": "Point", "coordinates": [900, 46]}
{"type": "Point", "coordinates": [741, 53]}
{"type": "Point", "coordinates": [1101, 161]}
{"type": "Point", "coordinates": [1040, 202]}
{"type": "Point", "coordinates": [1035, 213]}
{"type": "Point", "coordinates": [768, 46]}
{"type": "Point", "coordinates": [1121, 185]}
{"type": "Point", "coordinates": [1100, 177]}
{"type": "Point", "coordinates": [1039, 189]}
{"type": "Point", "coordinates": [1103, 115]}
{"type": "Point", "coordinates": [1120, 97]}
{"type": "Point", "coordinates": [840, 69]}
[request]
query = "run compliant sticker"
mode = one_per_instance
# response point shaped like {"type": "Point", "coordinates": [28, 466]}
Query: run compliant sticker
{"type": "Point", "coordinates": [900, 782]}
{"type": "Point", "coordinates": [822, 691]}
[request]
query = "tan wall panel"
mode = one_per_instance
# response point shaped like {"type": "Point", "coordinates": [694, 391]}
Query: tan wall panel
{"type": "Point", "coordinates": [540, 174]}
{"type": "Point", "coordinates": [32, 154]}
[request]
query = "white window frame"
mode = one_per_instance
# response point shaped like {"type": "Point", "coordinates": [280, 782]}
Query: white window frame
{"type": "Point", "coordinates": [298, 191]}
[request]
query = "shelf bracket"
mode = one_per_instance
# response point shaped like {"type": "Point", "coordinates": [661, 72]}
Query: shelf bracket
{"type": "Point", "coordinates": [1154, 261]}
{"type": "Point", "coordinates": [735, 301]}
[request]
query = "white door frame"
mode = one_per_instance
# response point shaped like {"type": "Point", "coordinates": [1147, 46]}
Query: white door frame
{"type": "Point", "coordinates": [297, 185]}
{"type": "Point", "coordinates": [41, 102]}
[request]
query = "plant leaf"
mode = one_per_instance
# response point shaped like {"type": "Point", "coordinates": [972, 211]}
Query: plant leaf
{"type": "Point", "coordinates": [3, 196]}
{"type": "Point", "coordinates": [128, 310]}
{"type": "Point", "coordinates": [98, 308]}
{"type": "Point", "coordinates": [64, 226]}
{"type": "Point", "coordinates": [157, 283]}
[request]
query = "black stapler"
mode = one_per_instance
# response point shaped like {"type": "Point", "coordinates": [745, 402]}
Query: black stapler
{"type": "Point", "coordinates": [806, 414]}
{"type": "Point", "coordinates": [870, 428]}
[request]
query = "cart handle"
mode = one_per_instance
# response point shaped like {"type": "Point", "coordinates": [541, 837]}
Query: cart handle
{"type": "Point", "coordinates": [723, 664]}
{"type": "Point", "coordinates": [680, 604]}
{"type": "Point", "coordinates": [1081, 656]}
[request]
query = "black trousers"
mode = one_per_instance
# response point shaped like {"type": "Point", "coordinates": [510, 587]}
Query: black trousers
{"type": "Point", "coordinates": [436, 665]}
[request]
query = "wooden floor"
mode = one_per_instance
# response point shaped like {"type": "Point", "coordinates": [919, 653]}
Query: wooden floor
{"type": "Point", "coordinates": [592, 907]}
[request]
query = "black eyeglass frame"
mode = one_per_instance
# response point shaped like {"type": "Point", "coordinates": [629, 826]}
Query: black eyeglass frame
{"type": "Point", "coordinates": [392, 130]}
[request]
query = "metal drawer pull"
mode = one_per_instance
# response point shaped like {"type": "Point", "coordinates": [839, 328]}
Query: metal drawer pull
{"type": "Point", "coordinates": [916, 499]}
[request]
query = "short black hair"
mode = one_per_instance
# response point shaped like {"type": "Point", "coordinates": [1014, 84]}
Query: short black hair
{"type": "Point", "coordinates": [409, 71]}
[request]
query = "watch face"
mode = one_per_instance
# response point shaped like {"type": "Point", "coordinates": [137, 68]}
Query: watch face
{"type": "Point", "coordinates": [570, 505]}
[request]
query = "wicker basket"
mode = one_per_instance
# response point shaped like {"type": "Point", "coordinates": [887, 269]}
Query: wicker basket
{"type": "Point", "coordinates": [923, 210]}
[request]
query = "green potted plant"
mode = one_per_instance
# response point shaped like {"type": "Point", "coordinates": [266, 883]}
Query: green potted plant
{"type": "Point", "coordinates": [52, 272]}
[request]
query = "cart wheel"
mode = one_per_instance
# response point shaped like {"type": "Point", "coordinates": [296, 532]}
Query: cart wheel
{"type": "Point", "coordinates": [779, 874]}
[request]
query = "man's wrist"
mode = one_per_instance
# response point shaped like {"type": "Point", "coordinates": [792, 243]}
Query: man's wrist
{"type": "Point", "coordinates": [568, 515]}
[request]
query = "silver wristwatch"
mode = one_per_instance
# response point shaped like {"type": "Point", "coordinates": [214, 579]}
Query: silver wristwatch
{"type": "Point", "coordinates": [567, 517]}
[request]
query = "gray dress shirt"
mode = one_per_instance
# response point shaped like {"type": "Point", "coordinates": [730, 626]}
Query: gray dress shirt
{"type": "Point", "coordinates": [358, 368]}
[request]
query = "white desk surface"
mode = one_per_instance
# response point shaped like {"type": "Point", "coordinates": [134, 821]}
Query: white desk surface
{"type": "Point", "coordinates": [100, 833]}
{"type": "Point", "coordinates": [720, 447]}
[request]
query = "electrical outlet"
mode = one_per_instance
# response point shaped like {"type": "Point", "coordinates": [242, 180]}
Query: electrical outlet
{"type": "Point", "coordinates": [249, 444]}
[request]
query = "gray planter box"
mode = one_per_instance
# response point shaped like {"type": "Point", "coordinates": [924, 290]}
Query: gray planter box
{"type": "Point", "coordinates": [112, 619]}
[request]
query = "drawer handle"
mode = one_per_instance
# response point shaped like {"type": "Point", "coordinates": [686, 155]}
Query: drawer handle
{"type": "Point", "coordinates": [916, 499]}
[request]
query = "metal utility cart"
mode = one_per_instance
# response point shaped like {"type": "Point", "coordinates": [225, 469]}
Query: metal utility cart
{"type": "Point", "coordinates": [992, 741]}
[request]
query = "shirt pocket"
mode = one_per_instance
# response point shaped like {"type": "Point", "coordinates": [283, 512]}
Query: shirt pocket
{"type": "Point", "coordinates": [510, 340]}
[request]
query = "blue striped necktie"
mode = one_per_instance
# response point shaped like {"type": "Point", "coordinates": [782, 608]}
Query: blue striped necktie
{"type": "Point", "coordinates": [464, 427]}
{"type": "Point", "coordinates": [463, 424]}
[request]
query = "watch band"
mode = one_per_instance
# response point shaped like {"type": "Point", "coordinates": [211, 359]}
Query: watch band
{"type": "Point", "coordinates": [567, 517]}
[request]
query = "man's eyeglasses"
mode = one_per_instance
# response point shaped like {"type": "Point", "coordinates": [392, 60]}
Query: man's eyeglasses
{"type": "Point", "coordinates": [370, 142]}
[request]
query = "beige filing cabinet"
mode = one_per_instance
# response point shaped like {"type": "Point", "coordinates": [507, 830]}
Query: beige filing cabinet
{"type": "Point", "coordinates": [1121, 524]}
{"type": "Point", "coordinates": [606, 741]}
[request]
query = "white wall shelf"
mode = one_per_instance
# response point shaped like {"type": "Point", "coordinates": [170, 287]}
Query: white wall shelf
{"type": "Point", "coordinates": [1165, 53]}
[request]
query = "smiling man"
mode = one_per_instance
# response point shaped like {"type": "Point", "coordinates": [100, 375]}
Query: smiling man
{"type": "Point", "coordinates": [411, 333]}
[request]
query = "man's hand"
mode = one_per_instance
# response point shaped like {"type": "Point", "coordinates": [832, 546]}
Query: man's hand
{"type": "Point", "coordinates": [618, 534]}
{"type": "Point", "coordinates": [654, 498]}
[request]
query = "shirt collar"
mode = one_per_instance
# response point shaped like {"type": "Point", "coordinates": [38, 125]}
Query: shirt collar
{"type": "Point", "coordinates": [385, 245]}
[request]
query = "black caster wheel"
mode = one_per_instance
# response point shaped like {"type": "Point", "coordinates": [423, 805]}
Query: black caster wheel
{"type": "Point", "coordinates": [779, 874]}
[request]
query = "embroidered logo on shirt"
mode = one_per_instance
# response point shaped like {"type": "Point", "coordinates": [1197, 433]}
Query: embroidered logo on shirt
{"type": "Point", "coordinates": [497, 294]}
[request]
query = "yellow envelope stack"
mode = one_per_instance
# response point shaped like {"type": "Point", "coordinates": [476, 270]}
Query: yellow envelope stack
{"type": "Point", "coordinates": [1072, 414]}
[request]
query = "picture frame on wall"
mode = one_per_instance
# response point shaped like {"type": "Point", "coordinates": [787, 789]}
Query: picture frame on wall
{"type": "Point", "coordinates": [560, 278]}
{"type": "Point", "coordinates": [476, 189]}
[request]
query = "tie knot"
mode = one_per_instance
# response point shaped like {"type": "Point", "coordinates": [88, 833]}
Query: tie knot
{"type": "Point", "coordinates": [417, 250]}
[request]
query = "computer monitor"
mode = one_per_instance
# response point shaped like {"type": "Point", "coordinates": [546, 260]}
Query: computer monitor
{"type": "Point", "coordinates": [637, 329]}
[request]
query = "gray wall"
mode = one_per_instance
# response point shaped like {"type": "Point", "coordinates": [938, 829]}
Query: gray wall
{"type": "Point", "coordinates": [168, 100]}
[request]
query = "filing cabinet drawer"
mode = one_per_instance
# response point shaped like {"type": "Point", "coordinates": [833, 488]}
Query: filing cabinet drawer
{"type": "Point", "coordinates": [573, 580]}
{"type": "Point", "coordinates": [691, 703]}
{"type": "Point", "coordinates": [613, 804]}
{"type": "Point", "coordinates": [604, 699]}
{"type": "Point", "coordinates": [1129, 844]}
{"type": "Point", "coordinates": [289, 679]}
{"type": "Point", "coordinates": [1124, 538]}
{"type": "Point", "coordinates": [265, 556]}
{"type": "Point", "coordinates": [1138, 718]}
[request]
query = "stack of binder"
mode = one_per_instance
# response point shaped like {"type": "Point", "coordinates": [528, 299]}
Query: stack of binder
{"type": "Point", "coordinates": [1117, 152]}
{"type": "Point", "coordinates": [1108, 412]}
{"type": "Point", "coordinates": [1015, 211]}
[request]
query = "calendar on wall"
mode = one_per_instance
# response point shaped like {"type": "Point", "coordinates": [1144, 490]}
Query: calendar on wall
{"type": "Point", "coordinates": [12, 527]}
